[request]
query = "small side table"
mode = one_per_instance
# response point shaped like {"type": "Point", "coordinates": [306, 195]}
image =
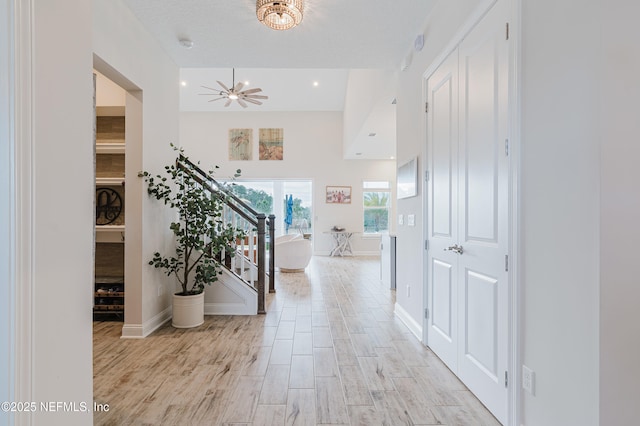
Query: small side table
{"type": "Point", "coordinates": [342, 241]}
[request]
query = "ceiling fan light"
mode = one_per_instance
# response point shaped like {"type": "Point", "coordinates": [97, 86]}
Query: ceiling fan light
{"type": "Point", "coordinates": [280, 14]}
{"type": "Point", "coordinates": [235, 93]}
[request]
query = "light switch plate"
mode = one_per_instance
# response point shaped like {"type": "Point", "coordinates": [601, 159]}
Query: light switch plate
{"type": "Point", "coordinates": [411, 220]}
{"type": "Point", "coordinates": [400, 219]}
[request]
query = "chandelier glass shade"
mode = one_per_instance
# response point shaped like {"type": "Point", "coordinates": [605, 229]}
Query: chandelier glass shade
{"type": "Point", "coordinates": [280, 14]}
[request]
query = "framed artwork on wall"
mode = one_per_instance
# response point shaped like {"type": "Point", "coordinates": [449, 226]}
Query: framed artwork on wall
{"type": "Point", "coordinates": [338, 195]}
{"type": "Point", "coordinates": [271, 144]}
{"type": "Point", "coordinates": [240, 144]}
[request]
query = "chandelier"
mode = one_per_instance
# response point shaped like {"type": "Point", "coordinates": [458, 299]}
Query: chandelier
{"type": "Point", "coordinates": [280, 14]}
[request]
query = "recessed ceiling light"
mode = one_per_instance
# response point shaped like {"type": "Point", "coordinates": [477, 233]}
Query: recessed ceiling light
{"type": "Point", "coordinates": [246, 83]}
{"type": "Point", "coordinates": [392, 157]}
{"type": "Point", "coordinates": [316, 84]}
{"type": "Point", "coordinates": [183, 83]}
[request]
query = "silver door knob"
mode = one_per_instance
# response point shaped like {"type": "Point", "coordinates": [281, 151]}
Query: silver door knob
{"type": "Point", "coordinates": [456, 248]}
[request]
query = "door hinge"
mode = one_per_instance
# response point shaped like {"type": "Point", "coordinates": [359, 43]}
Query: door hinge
{"type": "Point", "coordinates": [506, 147]}
{"type": "Point", "coordinates": [426, 107]}
{"type": "Point", "coordinates": [506, 263]}
{"type": "Point", "coordinates": [426, 313]}
{"type": "Point", "coordinates": [426, 175]}
{"type": "Point", "coordinates": [506, 379]}
{"type": "Point", "coordinates": [507, 31]}
{"type": "Point", "coordinates": [426, 244]}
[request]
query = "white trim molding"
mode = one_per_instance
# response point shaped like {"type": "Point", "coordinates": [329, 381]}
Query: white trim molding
{"type": "Point", "coordinates": [7, 210]}
{"type": "Point", "coordinates": [414, 327]}
{"type": "Point", "coordinates": [139, 331]}
{"type": "Point", "coordinates": [24, 208]}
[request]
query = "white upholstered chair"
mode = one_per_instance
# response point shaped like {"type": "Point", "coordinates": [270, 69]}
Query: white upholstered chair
{"type": "Point", "coordinates": [293, 253]}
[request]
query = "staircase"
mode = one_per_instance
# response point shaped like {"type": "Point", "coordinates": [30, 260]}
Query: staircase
{"type": "Point", "coordinates": [247, 270]}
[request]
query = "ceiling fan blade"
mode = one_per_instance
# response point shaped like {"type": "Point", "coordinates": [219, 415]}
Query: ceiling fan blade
{"type": "Point", "coordinates": [242, 103]}
{"type": "Point", "coordinates": [249, 91]}
{"type": "Point", "coordinates": [227, 103]}
{"type": "Point", "coordinates": [238, 87]}
{"type": "Point", "coordinates": [210, 88]}
{"type": "Point", "coordinates": [217, 99]}
{"type": "Point", "coordinates": [253, 101]}
{"type": "Point", "coordinates": [258, 96]}
{"type": "Point", "coordinates": [223, 86]}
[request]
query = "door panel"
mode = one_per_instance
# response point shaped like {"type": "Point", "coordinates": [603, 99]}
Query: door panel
{"type": "Point", "coordinates": [442, 227]}
{"type": "Point", "coordinates": [442, 154]}
{"type": "Point", "coordinates": [479, 139]}
{"type": "Point", "coordinates": [483, 211]}
{"type": "Point", "coordinates": [442, 298]}
{"type": "Point", "coordinates": [481, 321]}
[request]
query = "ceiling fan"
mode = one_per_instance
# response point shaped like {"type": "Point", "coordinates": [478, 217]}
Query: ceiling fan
{"type": "Point", "coordinates": [235, 93]}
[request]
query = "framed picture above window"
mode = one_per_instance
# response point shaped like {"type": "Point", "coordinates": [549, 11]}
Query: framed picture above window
{"type": "Point", "coordinates": [338, 195]}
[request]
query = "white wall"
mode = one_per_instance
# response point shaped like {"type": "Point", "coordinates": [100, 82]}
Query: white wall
{"type": "Point", "coordinates": [125, 49]}
{"type": "Point", "coordinates": [559, 199]}
{"type": "Point", "coordinates": [619, 213]}
{"type": "Point", "coordinates": [560, 210]}
{"type": "Point", "coordinates": [63, 219]}
{"type": "Point", "coordinates": [312, 150]}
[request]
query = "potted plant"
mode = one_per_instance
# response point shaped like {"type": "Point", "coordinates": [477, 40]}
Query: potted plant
{"type": "Point", "coordinates": [201, 234]}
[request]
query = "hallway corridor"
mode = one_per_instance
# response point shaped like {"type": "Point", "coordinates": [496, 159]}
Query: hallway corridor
{"type": "Point", "coordinates": [328, 351]}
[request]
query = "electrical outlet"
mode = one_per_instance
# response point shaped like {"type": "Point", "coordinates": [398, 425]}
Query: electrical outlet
{"type": "Point", "coordinates": [528, 380]}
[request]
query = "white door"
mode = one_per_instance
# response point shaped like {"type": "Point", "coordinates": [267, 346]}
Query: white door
{"type": "Point", "coordinates": [483, 212]}
{"type": "Point", "coordinates": [474, 257]}
{"type": "Point", "coordinates": [442, 160]}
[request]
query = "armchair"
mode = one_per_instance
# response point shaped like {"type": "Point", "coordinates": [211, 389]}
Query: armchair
{"type": "Point", "coordinates": [293, 253]}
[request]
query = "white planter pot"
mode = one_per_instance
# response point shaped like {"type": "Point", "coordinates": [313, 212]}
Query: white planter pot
{"type": "Point", "coordinates": [188, 311]}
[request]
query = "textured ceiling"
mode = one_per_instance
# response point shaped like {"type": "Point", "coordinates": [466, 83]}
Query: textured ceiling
{"type": "Point", "coordinates": [333, 34]}
{"type": "Point", "coordinates": [334, 37]}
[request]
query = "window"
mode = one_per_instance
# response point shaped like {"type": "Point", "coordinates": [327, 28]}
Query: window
{"type": "Point", "coordinates": [376, 196]}
{"type": "Point", "coordinates": [260, 195]}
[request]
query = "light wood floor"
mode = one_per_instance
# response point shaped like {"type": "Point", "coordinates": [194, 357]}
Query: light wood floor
{"type": "Point", "coordinates": [329, 351]}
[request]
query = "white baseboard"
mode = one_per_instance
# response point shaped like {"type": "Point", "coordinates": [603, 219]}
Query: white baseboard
{"type": "Point", "coordinates": [139, 331]}
{"type": "Point", "coordinates": [412, 325]}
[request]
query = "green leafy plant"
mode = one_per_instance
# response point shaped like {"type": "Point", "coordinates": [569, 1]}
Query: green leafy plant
{"type": "Point", "coordinates": [202, 236]}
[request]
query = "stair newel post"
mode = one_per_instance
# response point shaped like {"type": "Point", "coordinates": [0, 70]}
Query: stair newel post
{"type": "Point", "coordinates": [261, 261]}
{"type": "Point", "coordinates": [272, 253]}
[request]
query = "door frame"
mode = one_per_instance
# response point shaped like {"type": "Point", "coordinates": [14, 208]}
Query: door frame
{"type": "Point", "coordinates": [514, 243]}
{"type": "Point", "coordinates": [18, 205]}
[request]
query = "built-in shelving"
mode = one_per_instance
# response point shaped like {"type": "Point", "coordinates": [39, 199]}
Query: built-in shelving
{"type": "Point", "coordinates": [109, 284]}
{"type": "Point", "coordinates": [110, 147]}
